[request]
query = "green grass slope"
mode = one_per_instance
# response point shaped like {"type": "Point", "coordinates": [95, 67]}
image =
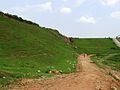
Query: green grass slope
{"type": "Point", "coordinates": [28, 50]}
{"type": "Point", "coordinates": [96, 46]}
{"type": "Point", "coordinates": [113, 61]}
{"type": "Point", "coordinates": [106, 51]}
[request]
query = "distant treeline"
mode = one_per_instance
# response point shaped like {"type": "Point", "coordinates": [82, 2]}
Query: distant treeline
{"type": "Point", "coordinates": [17, 18]}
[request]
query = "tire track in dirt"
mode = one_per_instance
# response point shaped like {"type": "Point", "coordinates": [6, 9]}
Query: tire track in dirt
{"type": "Point", "coordinates": [87, 77]}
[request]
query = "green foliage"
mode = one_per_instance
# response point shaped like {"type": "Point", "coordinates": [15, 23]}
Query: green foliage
{"type": "Point", "coordinates": [105, 50]}
{"type": "Point", "coordinates": [96, 46]}
{"type": "Point", "coordinates": [27, 50]}
{"type": "Point", "coordinates": [113, 61]}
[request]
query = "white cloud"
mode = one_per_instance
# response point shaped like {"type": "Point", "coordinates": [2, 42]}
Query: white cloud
{"type": "Point", "coordinates": [45, 7]}
{"type": "Point", "coordinates": [115, 15]}
{"type": "Point", "coordinates": [86, 19]}
{"type": "Point", "coordinates": [64, 0]}
{"type": "Point", "coordinates": [65, 10]}
{"type": "Point", "coordinates": [109, 2]}
{"type": "Point", "coordinates": [79, 2]}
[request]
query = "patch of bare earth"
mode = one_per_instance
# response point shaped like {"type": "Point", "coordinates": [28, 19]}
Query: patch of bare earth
{"type": "Point", "coordinates": [87, 77]}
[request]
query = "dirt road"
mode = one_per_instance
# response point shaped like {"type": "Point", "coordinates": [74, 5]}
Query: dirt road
{"type": "Point", "coordinates": [116, 42]}
{"type": "Point", "coordinates": [87, 77]}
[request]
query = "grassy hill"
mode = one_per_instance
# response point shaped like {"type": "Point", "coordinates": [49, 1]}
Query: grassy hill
{"type": "Point", "coordinates": [105, 50]}
{"type": "Point", "coordinates": [96, 46]}
{"type": "Point", "coordinates": [27, 50]}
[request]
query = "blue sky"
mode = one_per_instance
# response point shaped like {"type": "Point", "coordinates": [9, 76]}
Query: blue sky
{"type": "Point", "coordinates": [76, 18]}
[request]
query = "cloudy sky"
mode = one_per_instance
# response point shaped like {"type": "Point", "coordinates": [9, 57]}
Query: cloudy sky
{"type": "Point", "coordinates": [78, 18]}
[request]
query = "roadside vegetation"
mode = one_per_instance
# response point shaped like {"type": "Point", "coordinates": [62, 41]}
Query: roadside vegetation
{"type": "Point", "coordinates": [113, 61]}
{"type": "Point", "coordinates": [104, 50]}
{"type": "Point", "coordinates": [30, 51]}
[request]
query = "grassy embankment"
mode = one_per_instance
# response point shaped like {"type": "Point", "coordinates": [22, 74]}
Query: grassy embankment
{"type": "Point", "coordinates": [29, 51]}
{"type": "Point", "coordinates": [105, 50]}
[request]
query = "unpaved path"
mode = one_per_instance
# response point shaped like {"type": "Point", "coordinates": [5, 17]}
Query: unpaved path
{"type": "Point", "coordinates": [89, 77]}
{"type": "Point", "coordinates": [116, 42]}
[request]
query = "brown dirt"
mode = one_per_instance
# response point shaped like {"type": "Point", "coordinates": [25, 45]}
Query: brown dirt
{"type": "Point", "coordinates": [87, 77]}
